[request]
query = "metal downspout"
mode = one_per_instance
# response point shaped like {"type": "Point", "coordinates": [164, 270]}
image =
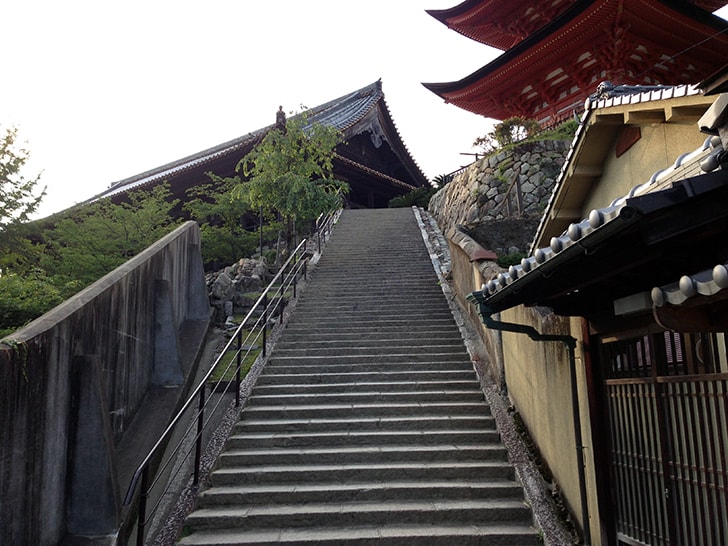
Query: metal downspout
{"type": "Point", "coordinates": [570, 343]}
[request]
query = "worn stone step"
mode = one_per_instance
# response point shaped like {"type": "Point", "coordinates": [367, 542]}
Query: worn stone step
{"type": "Point", "coordinates": [374, 329]}
{"type": "Point", "coordinates": [420, 370]}
{"type": "Point", "coordinates": [412, 304]}
{"type": "Point", "coordinates": [370, 358]}
{"type": "Point", "coordinates": [336, 514]}
{"type": "Point", "coordinates": [364, 396]}
{"type": "Point", "coordinates": [242, 440]}
{"type": "Point", "coordinates": [266, 423]}
{"type": "Point", "coordinates": [373, 386]}
{"type": "Point", "coordinates": [392, 353]}
{"type": "Point", "coordinates": [342, 339]}
{"type": "Point", "coordinates": [332, 325]}
{"type": "Point", "coordinates": [503, 534]}
{"type": "Point", "coordinates": [343, 345]}
{"type": "Point", "coordinates": [344, 374]}
{"type": "Point", "coordinates": [311, 473]}
{"type": "Point", "coordinates": [361, 492]}
{"type": "Point", "coordinates": [361, 454]}
{"type": "Point", "coordinates": [344, 410]}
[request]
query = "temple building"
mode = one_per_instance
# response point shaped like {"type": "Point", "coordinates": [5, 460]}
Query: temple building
{"type": "Point", "coordinates": [556, 53]}
{"type": "Point", "coordinates": [372, 157]}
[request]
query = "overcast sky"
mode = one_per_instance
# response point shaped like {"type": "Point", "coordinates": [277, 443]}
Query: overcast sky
{"type": "Point", "coordinates": [102, 91]}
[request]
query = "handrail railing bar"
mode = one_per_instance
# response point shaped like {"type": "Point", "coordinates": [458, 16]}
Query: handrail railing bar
{"type": "Point", "coordinates": [195, 392]}
{"type": "Point", "coordinates": [193, 420]}
{"type": "Point", "coordinates": [254, 329]}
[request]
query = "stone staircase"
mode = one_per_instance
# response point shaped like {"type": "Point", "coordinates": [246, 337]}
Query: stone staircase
{"type": "Point", "coordinates": [367, 425]}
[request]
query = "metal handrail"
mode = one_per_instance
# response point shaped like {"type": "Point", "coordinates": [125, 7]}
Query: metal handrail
{"type": "Point", "coordinates": [285, 279]}
{"type": "Point", "coordinates": [324, 225]}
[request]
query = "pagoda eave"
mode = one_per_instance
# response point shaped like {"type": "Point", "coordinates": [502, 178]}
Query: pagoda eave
{"type": "Point", "coordinates": [547, 74]}
{"type": "Point", "coordinates": [503, 25]}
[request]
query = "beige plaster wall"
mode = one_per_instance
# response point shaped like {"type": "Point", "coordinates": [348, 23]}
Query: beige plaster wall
{"type": "Point", "coordinates": [539, 387]}
{"type": "Point", "coordinates": [657, 149]}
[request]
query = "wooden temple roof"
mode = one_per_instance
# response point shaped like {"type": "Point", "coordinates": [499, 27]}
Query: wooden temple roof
{"type": "Point", "coordinates": [502, 25]}
{"type": "Point", "coordinates": [548, 75]}
{"type": "Point", "coordinates": [376, 163]}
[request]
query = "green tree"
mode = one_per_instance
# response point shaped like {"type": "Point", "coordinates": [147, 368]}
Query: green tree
{"type": "Point", "coordinates": [24, 298]}
{"type": "Point", "coordinates": [291, 172]}
{"type": "Point", "coordinates": [221, 217]}
{"type": "Point", "coordinates": [19, 198]}
{"type": "Point", "coordinates": [419, 197]}
{"type": "Point", "coordinates": [507, 132]}
{"type": "Point", "coordinates": [94, 239]}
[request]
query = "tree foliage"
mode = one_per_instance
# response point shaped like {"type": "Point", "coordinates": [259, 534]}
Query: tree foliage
{"type": "Point", "coordinates": [94, 239]}
{"type": "Point", "coordinates": [221, 217]}
{"type": "Point", "coordinates": [24, 298]}
{"type": "Point", "coordinates": [291, 172]}
{"type": "Point", "coordinates": [509, 131]}
{"type": "Point", "coordinates": [419, 197]}
{"type": "Point", "coordinates": [19, 198]}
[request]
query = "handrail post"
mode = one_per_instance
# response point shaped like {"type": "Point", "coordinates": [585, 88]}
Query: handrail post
{"type": "Point", "coordinates": [305, 261]}
{"type": "Point", "coordinates": [237, 369]}
{"type": "Point", "coordinates": [295, 276]}
{"type": "Point", "coordinates": [265, 321]}
{"type": "Point", "coordinates": [198, 446]}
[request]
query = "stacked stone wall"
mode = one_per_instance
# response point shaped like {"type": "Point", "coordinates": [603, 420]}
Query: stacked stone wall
{"type": "Point", "coordinates": [511, 183]}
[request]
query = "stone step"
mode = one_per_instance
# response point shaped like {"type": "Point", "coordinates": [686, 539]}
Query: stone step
{"type": "Point", "coordinates": [342, 344]}
{"type": "Point", "coordinates": [364, 396]}
{"type": "Point", "coordinates": [347, 370]}
{"type": "Point", "coordinates": [374, 386]}
{"type": "Point", "coordinates": [313, 473]}
{"type": "Point", "coordinates": [503, 534]}
{"type": "Point", "coordinates": [336, 339]}
{"type": "Point", "coordinates": [392, 352]}
{"type": "Point", "coordinates": [361, 492]}
{"type": "Point", "coordinates": [482, 421]}
{"type": "Point", "coordinates": [361, 454]}
{"type": "Point", "coordinates": [346, 331]}
{"type": "Point", "coordinates": [413, 322]}
{"type": "Point", "coordinates": [344, 374]}
{"type": "Point", "coordinates": [371, 358]}
{"type": "Point", "coordinates": [344, 410]}
{"type": "Point", "coordinates": [336, 514]}
{"type": "Point", "coordinates": [348, 438]}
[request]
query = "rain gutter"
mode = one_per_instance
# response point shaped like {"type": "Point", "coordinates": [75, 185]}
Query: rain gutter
{"type": "Point", "coordinates": [486, 314]}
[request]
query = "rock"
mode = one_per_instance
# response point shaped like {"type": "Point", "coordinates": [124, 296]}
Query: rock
{"type": "Point", "coordinates": [222, 288]}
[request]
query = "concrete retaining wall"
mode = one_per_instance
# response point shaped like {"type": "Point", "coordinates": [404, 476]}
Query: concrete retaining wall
{"type": "Point", "coordinates": [72, 381]}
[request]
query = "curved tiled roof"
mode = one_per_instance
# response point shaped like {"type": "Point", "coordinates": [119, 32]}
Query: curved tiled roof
{"type": "Point", "coordinates": [631, 96]}
{"type": "Point", "coordinates": [589, 226]}
{"type": "Point", "coordinates": [591, 231]}
{"type": "Point", "coordinates": [706, 283]}
{"type": "Point", "coordinates": [345, 114]}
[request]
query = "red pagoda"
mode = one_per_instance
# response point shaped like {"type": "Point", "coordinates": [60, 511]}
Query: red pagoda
{"type": "Point", "coordinates": [557, 52]}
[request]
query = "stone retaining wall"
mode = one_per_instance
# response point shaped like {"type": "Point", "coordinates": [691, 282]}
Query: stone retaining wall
{"type": "Point", "coordinates": [513, 182]}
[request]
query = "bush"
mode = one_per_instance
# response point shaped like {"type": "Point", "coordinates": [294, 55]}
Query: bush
{"type": "Point", "coordinates": [24, 298]}
{"type": "Point", "coordinates": [419, 197]}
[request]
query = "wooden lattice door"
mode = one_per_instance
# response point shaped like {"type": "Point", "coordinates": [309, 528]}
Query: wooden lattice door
{"type": "Point", "coordinates": [667, 398]}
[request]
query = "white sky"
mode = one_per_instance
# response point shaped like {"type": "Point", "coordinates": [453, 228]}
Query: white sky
{"type": "Point", "coordinates": [102, 91]}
